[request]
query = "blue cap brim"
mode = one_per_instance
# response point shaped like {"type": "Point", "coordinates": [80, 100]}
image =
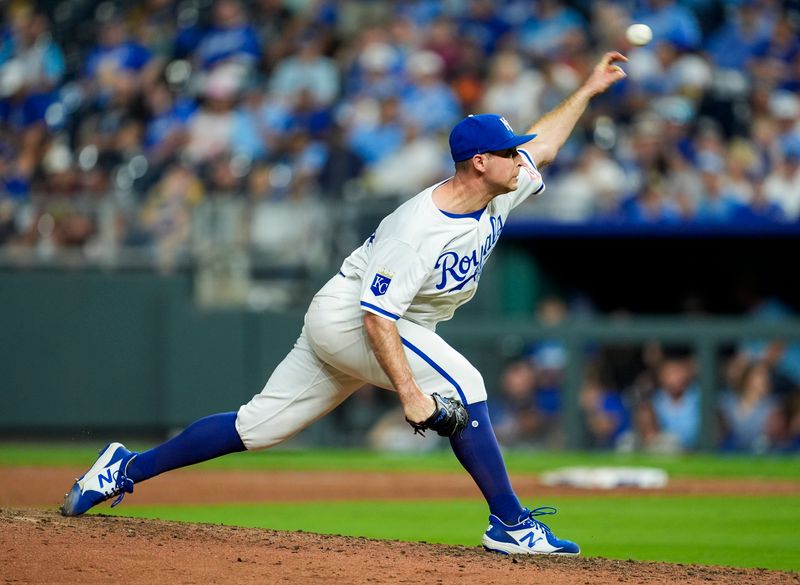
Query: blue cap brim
{"type": "Point", "coordinates": [517, 140]}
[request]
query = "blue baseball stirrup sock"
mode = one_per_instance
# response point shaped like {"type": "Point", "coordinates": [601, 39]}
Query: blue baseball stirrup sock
{"type": "Point", "coordinates": [204, 439]}
{"type": "Point", "coordinates": [477, 449]}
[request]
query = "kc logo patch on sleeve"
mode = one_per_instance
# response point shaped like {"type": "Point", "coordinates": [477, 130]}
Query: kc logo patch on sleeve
{"type": "Point", "coordinates": [380, 283]}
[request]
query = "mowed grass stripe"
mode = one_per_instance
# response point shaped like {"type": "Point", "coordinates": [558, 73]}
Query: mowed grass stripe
{"type": "Point", "coordinates": [730, 530]}
{"type": "Point", "coordinates": [519, 462]}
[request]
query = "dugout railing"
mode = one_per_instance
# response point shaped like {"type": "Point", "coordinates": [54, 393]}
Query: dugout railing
{"type": "Point", "coordinates": [704, 336]}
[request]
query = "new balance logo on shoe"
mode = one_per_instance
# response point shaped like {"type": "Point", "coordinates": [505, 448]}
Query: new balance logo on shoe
{"type": "Point", "coordinates": [530, 538]}
{"type": "Point", "coordinates": [527, 536]}
{"type": "Point", "coordinates": [104, 480]}
{"type": "Point", "coordinates": [107, 478]}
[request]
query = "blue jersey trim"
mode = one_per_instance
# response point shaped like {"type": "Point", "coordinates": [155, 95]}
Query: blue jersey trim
{"type": "Point", "coordinates": [436, 367]}
{"type": "Point", "coordinates": [342, 274]}
{"type": "Point", "coordinates": [379, 310]}
{"type": "Point", "coordinates": [526, 155]}
{"type": "Point", "coordinates": [476, 215]}
{"type": "Point", "coordinates": [530, 160]}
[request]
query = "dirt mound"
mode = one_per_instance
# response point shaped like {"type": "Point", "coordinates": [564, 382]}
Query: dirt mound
{"type": "Point", "coordinates": [39, 546]}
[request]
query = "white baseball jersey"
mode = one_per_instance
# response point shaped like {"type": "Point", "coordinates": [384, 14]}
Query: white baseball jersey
{"type": "Point", "coordinates": [416, 269]}
{"type": "Point", "coordinates": [422, 263]}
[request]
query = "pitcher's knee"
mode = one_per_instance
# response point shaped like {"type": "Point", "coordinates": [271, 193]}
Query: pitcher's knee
{"type": "Point", "coordinates": [258, 429]}
{"type": "Point", "coordinates": [472, 386]}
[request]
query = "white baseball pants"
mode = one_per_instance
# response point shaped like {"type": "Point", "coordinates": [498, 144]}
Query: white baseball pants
{"type": "Point", "coordinates": [332, 358]}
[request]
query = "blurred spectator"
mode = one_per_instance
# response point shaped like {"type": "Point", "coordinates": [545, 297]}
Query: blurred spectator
{"type": "Point", "coordinates": [717, 202]}
{"type": "Point", "coordinates": [443, 40]}
{"type": "Point", "coordinates": [742, 37]}
{"type": "Point", "coordinates": [428, 101]}
{"type": "Point", "coordinates": [482, 25]}
{"type": "Point", "coordinates": [760, 209]}
{"type": "Point", "coordinates": [341, 166]}
{"type": "Point", "coordinates": [513, 89]}
{"type": "Point", "coordinates": [772, 59]}
{"type": "Point", "coordinates": [605, 415]}
{"type": "Point", "coordinates": [210, 127]}
{"type": "Point", "coordinates": [374, 142]}
{"type": "Point", "coordinates": [166, 216]}
{"type": "Point", "coordinates": [670, 420]}
{"type": "Point", "coordinates": [29, 57]}
{"type": "Point", "coordinates": [750, 417]}
{"type": "Point", "coordinates": [782, 185]}
{"type": "Point", "coordinates": [229, 40]}
{"type": "Point", "coordinates": [116, 67]}
{"type": "Point", "coordinates": [308, 70]}
{"type": "Point", "coordinates": [515, 416]}
{"type": "Point", "coordinates": [543, 34]}
{"type": "Point", "coordinates": [549, 358]}
{"type": "Point", "coordinates": [671, 21]}
{"type": "Point", "coordinates": [165, 133]}
{"type": "Point", "coordinates": [782, 357]}
{"type": "Point", "coordinates": [651, 205]}
{"type": "Point", "coordinates": [390, 177]}
{"type": "Point", "coordinates": [376, 72]}
{"type": "Point", "coordinates": [705, 129]}
{"type": "Point", "coordinates": [593, 190]}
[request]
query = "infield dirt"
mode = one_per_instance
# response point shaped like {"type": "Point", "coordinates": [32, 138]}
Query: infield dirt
{"type": "Point", "coordinates": [39, 546]}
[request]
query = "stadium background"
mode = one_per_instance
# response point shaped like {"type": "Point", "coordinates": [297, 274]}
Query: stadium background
{"type": "Point", "coordinates": [237, 151]}
{"type": "Point", "coordinates": [179, 177]}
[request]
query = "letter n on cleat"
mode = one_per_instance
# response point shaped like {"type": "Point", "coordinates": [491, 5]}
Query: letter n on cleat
{"type": "Point", "coordinates": [106, 478]}
{"type": "Point", "coordinates": [530, 538]}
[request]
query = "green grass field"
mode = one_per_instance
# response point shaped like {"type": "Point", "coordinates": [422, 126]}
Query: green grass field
{"type": "Point", "coordinates": [521, 462]}
{"type": "Point", "coordinates": [721, 530]}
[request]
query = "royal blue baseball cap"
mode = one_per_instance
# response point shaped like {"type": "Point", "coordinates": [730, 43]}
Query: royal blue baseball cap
{"type": "Point", "coordinates": [481, 133]}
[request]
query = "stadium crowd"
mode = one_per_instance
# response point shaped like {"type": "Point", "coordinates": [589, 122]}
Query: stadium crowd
{"type": "Point", "coordinates": [131, 115]}
{"type": "Point", "coordinates": [120, 122]}
{"type": "Point", "coordinates": [647, 397]}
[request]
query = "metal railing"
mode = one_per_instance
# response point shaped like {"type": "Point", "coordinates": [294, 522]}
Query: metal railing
{"type": "Point", "coordinates": [705, 336]}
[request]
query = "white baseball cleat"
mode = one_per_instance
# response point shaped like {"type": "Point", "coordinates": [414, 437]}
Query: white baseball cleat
{"type": "Point", "coordinates": [528, 536]}
{"type": "Point", "coordinates": [105, 479]}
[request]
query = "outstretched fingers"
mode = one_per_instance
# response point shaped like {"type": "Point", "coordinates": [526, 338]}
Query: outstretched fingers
{"type": "Point", "coordinates": [608, 70]}
{"type": "Point", "coordinates": [613, 56]}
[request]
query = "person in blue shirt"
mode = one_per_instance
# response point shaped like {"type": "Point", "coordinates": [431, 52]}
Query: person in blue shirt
{"type": "Point", "coordinates": [115, 52]}
{"type": "Point", "coordinates": [651, 206]}
{"type": "Point", "coordinates": [717, 204]}
{"type": "Point", "coordinates": [750, 415]}
{"type": "Point", "coordinates": [741, 38]}
{"type": "Point", "coordinates": [229, 39]}
{"type": "Point", "coordinates": [671, 22]}
{"type": "Point", "coordinates": [676, 401]}
{"type": "Point", "coordinates": [604, 413]}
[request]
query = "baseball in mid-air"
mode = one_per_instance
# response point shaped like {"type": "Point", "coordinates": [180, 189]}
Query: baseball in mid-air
{"type": "Point", "coordinates": [639, 34]}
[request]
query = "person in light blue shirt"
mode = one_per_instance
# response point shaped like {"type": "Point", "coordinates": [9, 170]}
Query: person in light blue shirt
{"type": "Point", "coordinates": [548, 25]}
{"type": "Point", "coordinates": [428, 100]}
{"type": "Point", "coordinates": [717, 204]}
{"type": "Point", "coordinates": [671, 22]}
{"type": "Point", "coordinates": [750, 416]}
{"type": "Point", "coordinates": [676, 402]}
{"type": "Point", "coordinates": [374, 142]}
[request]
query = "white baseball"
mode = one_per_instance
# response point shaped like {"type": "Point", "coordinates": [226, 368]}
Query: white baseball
{"type": "Point", "coordinates": [639, 34]}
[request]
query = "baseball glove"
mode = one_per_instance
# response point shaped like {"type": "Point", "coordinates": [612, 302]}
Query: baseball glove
{"type": "Point", "coordinates": [449, 418]}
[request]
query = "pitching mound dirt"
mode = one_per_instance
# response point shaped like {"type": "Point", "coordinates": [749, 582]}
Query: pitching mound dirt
{"type": "Point", "coordinates": [42, 547]}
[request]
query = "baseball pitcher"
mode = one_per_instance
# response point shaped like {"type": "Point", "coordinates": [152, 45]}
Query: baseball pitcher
{"type": "Point", "coordinates": [375, 322]}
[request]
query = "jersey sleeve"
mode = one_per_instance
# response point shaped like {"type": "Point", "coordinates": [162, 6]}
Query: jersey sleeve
{"type": "Point", "coordinates": [395, 273]}
{"type": "Point", "coordinates": [530, 181]}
